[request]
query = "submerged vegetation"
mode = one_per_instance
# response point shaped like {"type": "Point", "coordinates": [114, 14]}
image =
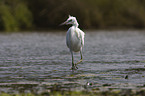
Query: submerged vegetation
{"type": "Point", "coordinates": [81, 93]}
{"type": "Point", "coordinates": [18, 15]}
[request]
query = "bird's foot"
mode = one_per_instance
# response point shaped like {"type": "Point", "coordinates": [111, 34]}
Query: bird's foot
{"type": "Point", "coordinates": [74, 67]}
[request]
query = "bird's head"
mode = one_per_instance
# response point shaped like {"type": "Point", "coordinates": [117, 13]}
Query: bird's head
{"type": "Point", "coordinates": [71, 20]}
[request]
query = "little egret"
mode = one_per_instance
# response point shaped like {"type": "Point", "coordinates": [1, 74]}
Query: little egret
{"type": "Point", "coordinates": [74, 39]}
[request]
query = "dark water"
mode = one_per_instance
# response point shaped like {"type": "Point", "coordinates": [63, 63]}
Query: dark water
{"type": "Point", "coordinates": [112, 59]}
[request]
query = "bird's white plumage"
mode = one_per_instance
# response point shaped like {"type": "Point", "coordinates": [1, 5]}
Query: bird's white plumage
{"type": "Point", "coordinates": [75, 39]}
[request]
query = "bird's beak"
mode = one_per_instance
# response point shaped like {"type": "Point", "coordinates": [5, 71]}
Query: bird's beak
{"type": "Point", "coordinates": [63, 23]}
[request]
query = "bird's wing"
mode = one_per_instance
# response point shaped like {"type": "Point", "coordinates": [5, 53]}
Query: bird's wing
{"type": "Point", "coordinates": [81, 36]}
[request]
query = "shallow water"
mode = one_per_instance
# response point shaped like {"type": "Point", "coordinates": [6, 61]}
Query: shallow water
{"type": "Point", "coordinates": [112, 59]}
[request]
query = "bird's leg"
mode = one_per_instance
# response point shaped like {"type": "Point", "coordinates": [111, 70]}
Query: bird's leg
{"type": "Point", "coordinates": [80, 59]}
{"type": "Point", "coordinates": [73, 65]}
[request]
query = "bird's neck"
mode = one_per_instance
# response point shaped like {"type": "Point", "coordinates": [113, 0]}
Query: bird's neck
{"type": "Point", "coordinates": [76, 24]}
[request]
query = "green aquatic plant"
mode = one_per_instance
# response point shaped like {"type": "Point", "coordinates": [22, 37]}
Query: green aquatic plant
{"type": "Point", "coordinates": [124, 92]}
{"type": "Point", "coordinates": [19, 94]}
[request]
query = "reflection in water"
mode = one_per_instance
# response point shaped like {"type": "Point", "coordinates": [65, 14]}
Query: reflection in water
{"type": "Point", "coordinates": [43, 58]}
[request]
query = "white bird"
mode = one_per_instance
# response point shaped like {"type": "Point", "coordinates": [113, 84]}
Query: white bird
{"type": "Point", "coordinates": [74, 39]}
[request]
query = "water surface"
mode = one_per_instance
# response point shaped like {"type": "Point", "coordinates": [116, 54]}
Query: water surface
{"type": "Point", "coordinates": [112, 59]}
